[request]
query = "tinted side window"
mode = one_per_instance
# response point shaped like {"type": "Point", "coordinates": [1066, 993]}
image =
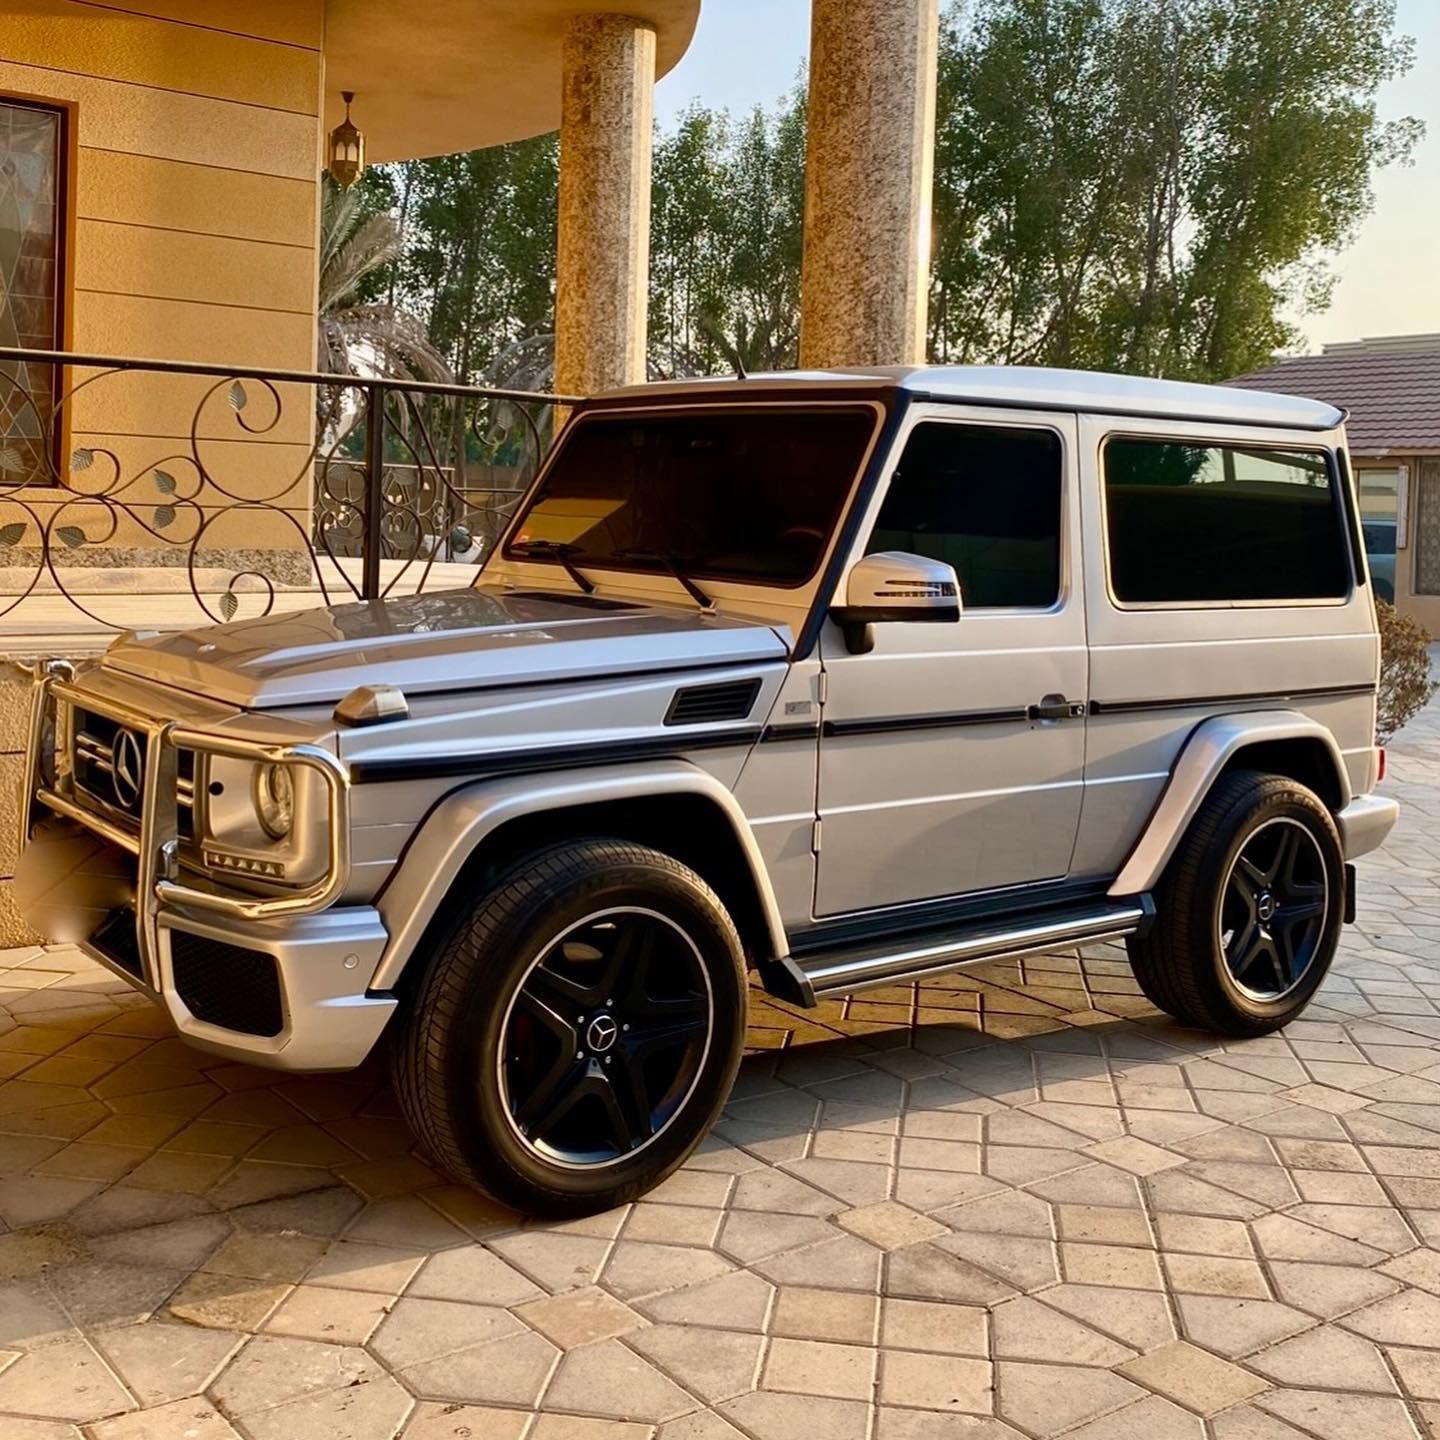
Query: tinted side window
{"type": "Point", "coordinates": [987, 501]}
{"type": "Point", "coordinates": [1222, 522]}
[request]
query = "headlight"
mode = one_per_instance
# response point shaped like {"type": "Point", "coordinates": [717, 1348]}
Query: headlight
{"type": "Point", "coordinates": [273, 790]}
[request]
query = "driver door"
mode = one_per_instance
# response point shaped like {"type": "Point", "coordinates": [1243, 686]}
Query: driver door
{"type": "Point", "coordinates": [940, 774]}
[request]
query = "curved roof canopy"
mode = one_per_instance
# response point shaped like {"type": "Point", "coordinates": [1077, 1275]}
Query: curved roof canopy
{"type": "Point", "coordinates": [462, 74]}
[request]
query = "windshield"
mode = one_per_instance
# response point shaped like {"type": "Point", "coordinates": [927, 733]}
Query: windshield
{"type": "Point", "coordinates": [727, 494]}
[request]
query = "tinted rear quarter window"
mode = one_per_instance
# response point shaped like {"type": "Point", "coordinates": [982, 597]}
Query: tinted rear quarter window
{"type": "Point", "coordinates": [1222, 523]}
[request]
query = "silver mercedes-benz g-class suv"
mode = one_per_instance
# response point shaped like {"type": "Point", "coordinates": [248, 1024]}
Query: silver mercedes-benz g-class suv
{"type": "Point", "coordinates": [844, 679]}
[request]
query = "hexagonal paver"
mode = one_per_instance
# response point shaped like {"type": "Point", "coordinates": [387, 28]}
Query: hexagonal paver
{"type": "Point", "coordinates": [1008, 1204]}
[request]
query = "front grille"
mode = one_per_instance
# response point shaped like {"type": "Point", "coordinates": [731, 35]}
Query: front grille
{"type": "Point", "coordinates": [118, 940]}
{"type": "Point", "coordinates": [96, 739]}
{"type": "Point", "coordinates": [226, 985]}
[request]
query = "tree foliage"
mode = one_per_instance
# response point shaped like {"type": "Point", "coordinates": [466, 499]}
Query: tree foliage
{"type": "Point", "coordinates": [1148, 186]}
{"type": "Point", "coordinates": [1152, 186]}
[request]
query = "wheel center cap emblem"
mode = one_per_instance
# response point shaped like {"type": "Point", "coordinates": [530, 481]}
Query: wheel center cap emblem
{"type": "Point", "coordinates": [1265, 907]}
{"type": "Point", "coordinates": [127, 767]}
{"type": "Point", "coordinates": [601, 1034]}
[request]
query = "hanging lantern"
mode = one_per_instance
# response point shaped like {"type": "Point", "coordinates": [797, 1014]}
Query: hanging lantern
{"type": "Point", "coordinates": [347, 148]}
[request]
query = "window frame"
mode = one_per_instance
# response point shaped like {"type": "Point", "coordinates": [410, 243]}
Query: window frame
{"type": "Point", "coordinates": [1335, 472]}
{"type": "Point", "coordinates": [67, 156]}
{"type": "Point", "coordinates": [984, 420]}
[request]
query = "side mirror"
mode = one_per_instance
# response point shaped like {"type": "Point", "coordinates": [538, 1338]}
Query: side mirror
{"type": "Point", "coordinates": [895, 586]}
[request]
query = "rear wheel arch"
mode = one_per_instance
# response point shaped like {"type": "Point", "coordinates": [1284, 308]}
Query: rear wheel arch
{"type": "Point", "coordinates": [1278, 742]}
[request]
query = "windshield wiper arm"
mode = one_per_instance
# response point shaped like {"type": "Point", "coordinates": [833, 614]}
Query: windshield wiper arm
{"type": "Point", "coordinates": [639, 552]}
{"type": "Point", "coordinates": [560, 554]}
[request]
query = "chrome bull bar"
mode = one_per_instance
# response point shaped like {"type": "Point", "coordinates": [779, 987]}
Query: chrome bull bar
{"type": "Point", "coordinates": [155, 843]}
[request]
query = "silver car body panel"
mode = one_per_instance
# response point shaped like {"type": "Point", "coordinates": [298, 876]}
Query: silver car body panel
{"type": "Point", "coordinates": [934, 779]}
{"type": "Point", "coordinates": [860, 788]}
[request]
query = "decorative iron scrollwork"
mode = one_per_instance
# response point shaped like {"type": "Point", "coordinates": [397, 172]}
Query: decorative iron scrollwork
{"type": "Point", "coordinates": [349, 486]}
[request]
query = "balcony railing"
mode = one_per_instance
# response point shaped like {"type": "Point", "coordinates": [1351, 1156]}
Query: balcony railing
{"type": "Point", "coordinates": [252, 481]}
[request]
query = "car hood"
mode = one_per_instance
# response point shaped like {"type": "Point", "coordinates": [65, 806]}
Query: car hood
{"type": "Point", "coordinates": [454, 640]}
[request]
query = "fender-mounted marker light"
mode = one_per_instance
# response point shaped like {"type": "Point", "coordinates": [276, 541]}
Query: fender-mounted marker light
{"type": "Point", "coordinates": [372, 705]}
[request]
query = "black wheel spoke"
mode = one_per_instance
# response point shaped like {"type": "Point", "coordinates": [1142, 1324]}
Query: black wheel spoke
{"type": "Point", "coordinates": [645, 1040]}
{"type": "Point", "coordinates": [629, 1100]}
{"type": "Point", "coordinates": [550, 1008]}
{"type": "Point", "coordinates": [1246, 949]}
{"type": "Point", "coordinates": [1249, 878]}
{"type": "Point", "coordinates": [552, 1098]}
{"type": "Point", "coordinates": [565, 995]}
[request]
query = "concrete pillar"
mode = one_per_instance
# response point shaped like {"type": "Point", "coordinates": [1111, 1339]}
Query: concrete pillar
{"type": "Point", "coordinates": [870, 172]}
{"type": "Point", "coordinates": [603, 267]}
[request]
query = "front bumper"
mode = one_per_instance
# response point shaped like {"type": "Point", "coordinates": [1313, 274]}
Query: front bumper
{"type": "Point", "coordinates": [311, 973]}
{"type": "Point", "coordinates": [280, 981]}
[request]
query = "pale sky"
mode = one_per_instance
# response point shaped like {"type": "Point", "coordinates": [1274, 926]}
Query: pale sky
{"type": "Point", "coordinates": [749, 52]}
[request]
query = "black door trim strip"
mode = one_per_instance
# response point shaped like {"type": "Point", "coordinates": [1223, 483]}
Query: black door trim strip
{"type": "Point", "coordinates": [549, 757]}
{"type": "Point", "coordinates": [883, 724]}
{"type": "Point", "coordinates": [1191, 702]}
{"type": "Point", "coordinates": [795, 730]}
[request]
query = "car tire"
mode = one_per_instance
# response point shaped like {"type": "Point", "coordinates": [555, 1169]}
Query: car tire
{"type": "Point", "coordinates": [578, 1029]}
{"type": "Point", "coordinates": [1249, 910]}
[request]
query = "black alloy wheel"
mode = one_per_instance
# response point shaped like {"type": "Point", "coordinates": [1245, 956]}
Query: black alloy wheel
{"type": "Point", "coordinates": [605, 1038]}
{"type": "Point", "coordinates": [1273, 908]}
{"type": "Point", "coordinates": [1249, 910]}
{"type": "Point", "coordinates": [573, 1028]}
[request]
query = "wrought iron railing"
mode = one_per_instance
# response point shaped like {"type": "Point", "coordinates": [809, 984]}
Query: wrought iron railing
{"type": "Point", "coordinates": [252, 480]}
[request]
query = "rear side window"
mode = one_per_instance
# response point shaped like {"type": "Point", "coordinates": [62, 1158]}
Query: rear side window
{"type": "Point", "coordinates": [1197, 523]}
{"type": "Point", "coordinates": [985, 500]}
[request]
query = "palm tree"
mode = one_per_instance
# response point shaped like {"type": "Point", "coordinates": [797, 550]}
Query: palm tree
{"type": "Point", "coordinates": [356, 337]}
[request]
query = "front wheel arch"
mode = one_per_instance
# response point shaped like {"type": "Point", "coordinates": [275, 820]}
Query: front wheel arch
{"type": "Point", "coordinates": [473, 834]}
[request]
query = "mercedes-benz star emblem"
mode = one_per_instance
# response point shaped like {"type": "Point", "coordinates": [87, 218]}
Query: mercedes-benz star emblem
{"type": "Point", "coordinates": [127, 768]}
{"type": "Point", "coordinates": [601, 1034]}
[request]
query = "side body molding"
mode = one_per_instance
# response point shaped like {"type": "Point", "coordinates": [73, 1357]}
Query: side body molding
{"type": "Point", "coordinates": [462, 820]}
{"type": "Point", "coordinates": [1211, 745]}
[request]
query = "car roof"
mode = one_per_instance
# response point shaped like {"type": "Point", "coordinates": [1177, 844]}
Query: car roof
{"type": "Point", "coordinates": [1025, 387]}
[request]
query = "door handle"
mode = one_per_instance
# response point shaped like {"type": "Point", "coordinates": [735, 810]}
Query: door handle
{"type": "Point", "coordinates": [1057, 707]}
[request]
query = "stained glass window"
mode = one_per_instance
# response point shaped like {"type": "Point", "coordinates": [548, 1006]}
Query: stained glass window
{"type": "Point", "coordinates": [32, 151]}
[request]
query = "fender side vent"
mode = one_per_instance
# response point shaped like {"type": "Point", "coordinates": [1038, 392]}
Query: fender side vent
{"type": "Point", "coordinates": [706, 704]}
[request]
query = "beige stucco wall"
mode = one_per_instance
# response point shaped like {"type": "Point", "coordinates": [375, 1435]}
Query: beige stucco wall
{"type": "Point", "coordinates": [195, 190]}
{"type": "Point", "coordinates": [194, 238]}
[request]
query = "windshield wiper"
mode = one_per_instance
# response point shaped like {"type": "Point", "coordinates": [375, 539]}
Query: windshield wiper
{"type": "Point", "coordinates": [560, 554]}
{"type": "Point", "coordinates": [639, 552]}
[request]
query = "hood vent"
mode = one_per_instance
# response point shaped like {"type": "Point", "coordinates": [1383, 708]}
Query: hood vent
{"type": "Point", "coordinates": [707, 704]}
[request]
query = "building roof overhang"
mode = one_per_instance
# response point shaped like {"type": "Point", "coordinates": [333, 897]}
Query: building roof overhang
{"type": "Point", "coordinates": [464, 74]}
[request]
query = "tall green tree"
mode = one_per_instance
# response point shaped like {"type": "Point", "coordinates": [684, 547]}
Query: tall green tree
{"type": "Point", "coordinates": [728, 213]}
{"type": "Point", "coordinates": [1152, 185]}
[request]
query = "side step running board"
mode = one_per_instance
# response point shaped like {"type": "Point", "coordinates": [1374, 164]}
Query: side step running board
{"type": "Point", "coordinates": [812, 977]}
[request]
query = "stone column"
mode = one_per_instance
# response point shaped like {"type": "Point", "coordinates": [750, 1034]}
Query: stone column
{"type": "Point", "coordinates": [603, 270]}
{"type": "Point", "coordinates": [869, 175]}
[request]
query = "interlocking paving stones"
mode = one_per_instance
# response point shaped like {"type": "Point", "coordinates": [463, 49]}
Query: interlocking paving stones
{"type": "Point", "coordinates": [1009, 1204]}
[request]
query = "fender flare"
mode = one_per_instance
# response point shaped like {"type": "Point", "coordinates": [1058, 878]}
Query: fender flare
{"type": "Point", "coordinates": [462, 820]}
{"type": "Point", "coordinates": [1211, 746]}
